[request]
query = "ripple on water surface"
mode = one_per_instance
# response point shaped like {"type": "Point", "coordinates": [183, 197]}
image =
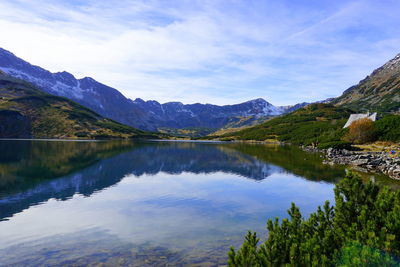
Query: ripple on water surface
{"type": "Point", "coordinates": [147, 204]}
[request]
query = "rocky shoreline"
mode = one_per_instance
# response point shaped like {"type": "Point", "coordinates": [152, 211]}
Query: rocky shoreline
{"type": "Point", "coordinates": [380, 162]}
{"type": "Point", "coordinates": [369, 161]}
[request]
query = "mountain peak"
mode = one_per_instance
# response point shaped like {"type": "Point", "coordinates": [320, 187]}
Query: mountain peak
{"type": "Point", "coordinates": [88, 79]}
{"type": "Point", "coordinates": [153, 102]}
{"type": "Point", "coordinates": [174, 103]}
{"type": "Point", "coordinates": [389, 67]}
{"type": "Point", "coordinates": [377, 92]}
{"type": "Point", "coordinates": [64, 75]}
{"type": "Point", "coordinates": [393, 63]}
{"type": "Point", "coordinates": [138, 100]}
{"type": "Point", "coordinates": [258, 100]}
{"type": "Point", "coordinates": [4, 51]}
{"type": "Point", "coordinates": [148, 115]}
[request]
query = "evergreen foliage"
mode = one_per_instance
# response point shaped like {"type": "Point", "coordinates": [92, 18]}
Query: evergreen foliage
{"type": "Point", "coordinates": [315, 124]}
{"type": "Point", "coordinates": [364, 213]}
{"type": "Point", "coordinates": [319, 125]}
{"type": "Point", "coordinates": [388, 128]}
{"type": "Point", "coordinates": [357, 255]}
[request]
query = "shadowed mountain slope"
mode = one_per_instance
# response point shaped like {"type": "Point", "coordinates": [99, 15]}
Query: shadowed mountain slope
{"type": "Point", "coordinates": [145, 115]}
{"type": "Point", "coordinates": [27, 112]}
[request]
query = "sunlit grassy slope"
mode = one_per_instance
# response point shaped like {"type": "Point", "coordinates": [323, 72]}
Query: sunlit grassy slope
{"type": "Point", "coordinates": [26, 111]}
{"type": "Point", "coordinates": [316, 123]}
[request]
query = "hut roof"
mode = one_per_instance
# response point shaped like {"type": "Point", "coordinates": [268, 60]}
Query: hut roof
{"type": "Point", "coordinates": [356, 117]}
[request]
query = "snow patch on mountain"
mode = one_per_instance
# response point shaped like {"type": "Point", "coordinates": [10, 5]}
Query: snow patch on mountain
{"type": "Point", "coordinates": [145, 115]}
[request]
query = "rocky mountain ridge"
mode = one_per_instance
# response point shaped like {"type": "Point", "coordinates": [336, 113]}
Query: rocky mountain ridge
{"type": "Point", "coordinates": [379, 91]}
{"type": "Point", "coordinates": [27, 112]}
{"type": "Point", "coordinates": [145, 115]}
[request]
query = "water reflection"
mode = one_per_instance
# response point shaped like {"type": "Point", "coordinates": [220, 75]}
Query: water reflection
{"type": "Point", "coordinates": [29, 169]}
{"type": "Point", "coordinates": [146, 203]}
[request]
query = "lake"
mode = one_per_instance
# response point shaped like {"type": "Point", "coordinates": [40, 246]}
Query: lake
{"type": "Point", "coordinates": [124, 203]}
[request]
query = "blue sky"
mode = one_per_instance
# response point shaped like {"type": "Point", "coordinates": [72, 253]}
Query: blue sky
{"type": "Point", "coordinates": [208, 51]}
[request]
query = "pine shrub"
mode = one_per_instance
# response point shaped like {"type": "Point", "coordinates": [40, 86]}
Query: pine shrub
{"type": "Point", "coordinates": [364, 213]}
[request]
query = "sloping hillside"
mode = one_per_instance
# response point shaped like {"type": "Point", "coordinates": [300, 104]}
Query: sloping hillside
{"type": "Point", "coordinates": [26, 112]}
{"type": "Point", "coordinates": [321, 124]}
{"type": "Point", "coordinates": [379, 91]}
{"type": "Point", "coordinates": [314, 124]}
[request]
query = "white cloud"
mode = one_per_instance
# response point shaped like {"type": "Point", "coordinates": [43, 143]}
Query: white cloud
{"type": "Point", "coordinates": [206, 51]}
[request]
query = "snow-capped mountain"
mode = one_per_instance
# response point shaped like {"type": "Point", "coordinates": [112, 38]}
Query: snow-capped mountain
{"type": "Point", "coordinates": [145, 115]}
{"type": "Point", "coordinates": [101, 98]}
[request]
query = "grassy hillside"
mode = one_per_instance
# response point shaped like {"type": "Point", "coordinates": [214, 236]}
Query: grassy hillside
{"type": "Point", "coordinates": [189, 132]}
{"type": "Point", "coordinates": [28, 112]}
{"type": "Point", "coordinates": [321, 124]}
{"type": "Point", "coordinates": [379, 91]}
{"type": "Point", "coordinates": [314, 124]}
{"type": "Point", "coordinates": [228, 131]}
{"type": "Point", "coordinates": [242, 123]}
{"type": "Point", "coordinates": [234, 124]}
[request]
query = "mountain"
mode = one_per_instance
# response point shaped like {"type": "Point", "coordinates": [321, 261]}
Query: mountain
{"type": "Point", "coordinates": [101, 98]}
{"type": "Point", "coordinates": [318, 124]}
{"type": "Point", "coordinates": [27, 112]}
{"type": "Point", "coordinates": [178, 115]}
{"type": "Point", "coordinates": [291, 108]}
{"type": "Point", "coordinates": [321, 123]}
{"type": "Point", "coordinates": [379, 91]}
{"type": "Point", "coordinates": [145, 115]}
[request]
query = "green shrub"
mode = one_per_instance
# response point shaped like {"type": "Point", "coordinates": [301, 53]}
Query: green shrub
{"type": "Point", "coordinates": [314, 124]}
{"type": "Point", "coordinates": [81, 115]}
{"type": "Point", "coordinates": [82, 134]}
{"type": "Point", "coordinates": [365, 213]}
{"type": "Point", "coordinates": [227, 139]}
{"type": "Point", "coordinates": [388, 128]}
{"type": "Point", "coordinates": [358, 255]}
{"type": "Point", "coordinates": [102, 136]}
{"type": "Point", "coordinates": [116, 127]}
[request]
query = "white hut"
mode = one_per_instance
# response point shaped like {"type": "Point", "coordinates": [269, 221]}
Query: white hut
{"type": "Point", "coordinates": [356, 117]}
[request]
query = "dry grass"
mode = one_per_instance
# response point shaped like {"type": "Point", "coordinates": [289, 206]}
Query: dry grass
{"type": "Point", "coordinates": [228, 130]}
{"type": "Point", "coordinates": [379, 146]}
